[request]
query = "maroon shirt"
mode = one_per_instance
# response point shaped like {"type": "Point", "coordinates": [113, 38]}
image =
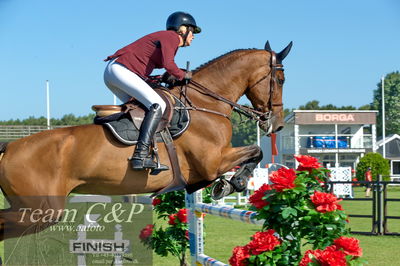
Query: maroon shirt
{"type": "Point", "coordinates": [156, 50]}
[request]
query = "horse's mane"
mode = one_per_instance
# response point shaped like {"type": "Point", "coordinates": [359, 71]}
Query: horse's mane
{"type": "Point", "coordinates": [216, 59]}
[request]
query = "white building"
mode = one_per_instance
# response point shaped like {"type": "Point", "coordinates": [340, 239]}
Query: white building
{"type": "Point", "coordinates": [336, 137]}
{"type": "Point", "coordinates": [392, 153]}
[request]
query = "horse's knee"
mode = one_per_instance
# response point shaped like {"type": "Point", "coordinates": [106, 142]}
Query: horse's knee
{"type": "Point", "coordinates": [256, 151]}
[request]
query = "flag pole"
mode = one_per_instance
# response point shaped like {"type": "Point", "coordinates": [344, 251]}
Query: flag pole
{"type": "Point", "coordinates": [48, 103]}
{"type": "Point", "coordinates": [383, 118]}
{"type": "Point", "coordinates": [258, 139]}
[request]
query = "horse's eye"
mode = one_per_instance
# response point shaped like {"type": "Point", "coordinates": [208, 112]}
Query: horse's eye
{"type": "Point", "coordinates": [281, 81]}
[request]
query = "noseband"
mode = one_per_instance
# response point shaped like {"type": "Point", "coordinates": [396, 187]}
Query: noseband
{"type": "Point", "coordinates": [262, 117]}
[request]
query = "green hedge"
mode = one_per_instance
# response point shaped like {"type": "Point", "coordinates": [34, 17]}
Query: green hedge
{"type": "Point", "coordinates": [378, 164]}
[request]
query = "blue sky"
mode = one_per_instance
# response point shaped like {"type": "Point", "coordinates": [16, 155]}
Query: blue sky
{"type": "Point", "coordinates": [341, 48]}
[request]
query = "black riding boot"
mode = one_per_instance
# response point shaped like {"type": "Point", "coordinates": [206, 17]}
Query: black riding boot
{"type": "Point", "coordinates": [141, 158]}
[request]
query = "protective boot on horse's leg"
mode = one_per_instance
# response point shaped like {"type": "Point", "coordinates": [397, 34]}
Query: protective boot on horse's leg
{"type": "Point", "coordinates": [142, 158]}
{"type": "Point", "coordinates": [247, 157]}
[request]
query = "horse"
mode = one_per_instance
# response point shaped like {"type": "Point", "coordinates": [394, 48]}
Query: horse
{"type": "Point", "coordinates": [41, 170]}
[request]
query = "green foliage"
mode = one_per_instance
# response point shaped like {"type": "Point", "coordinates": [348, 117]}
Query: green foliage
{"type": "Point", "coordinates": [297, 207]}
{"type": "Point", "coordinates": [366, 107]}
{"type": "Point", "coordinates": [171, 202]}
{"type": "Point", "coordinates": [292, 215]}
{"type": "Point", "coordinates": [287, 111]}
{"type": "Point", "coordinates": [173, 239]}
{"type": "Point", "coordinates": [314, 105]}
{"type": "Point", "coordinates": [392, 104]}
{"type": "Point", "coordinates": [378, 164]}
{"type": "Point", "coordinates": [66, 120]}
{"type": "Point", "coordinates": [244, 131]}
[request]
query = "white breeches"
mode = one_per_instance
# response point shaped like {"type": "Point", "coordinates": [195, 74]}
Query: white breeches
{"type": "Point", "coordinates": [126, 84]}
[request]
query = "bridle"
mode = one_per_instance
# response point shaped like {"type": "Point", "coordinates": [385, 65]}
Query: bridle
{"type": "Point", "coordinates": [251, 113]}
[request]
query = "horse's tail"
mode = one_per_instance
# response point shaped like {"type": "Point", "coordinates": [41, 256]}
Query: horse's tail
{"type": "Point", "coordinates": [3, 147]}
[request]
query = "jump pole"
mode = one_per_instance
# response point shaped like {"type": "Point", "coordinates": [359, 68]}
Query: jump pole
{"type": "Point", "coordinates": [196, 208]}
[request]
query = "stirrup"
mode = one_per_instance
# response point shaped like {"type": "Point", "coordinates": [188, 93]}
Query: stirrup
{"type": "Point", "coordinates": [160, 167]}
{"type": "Point", "coordinates": [139, 164]}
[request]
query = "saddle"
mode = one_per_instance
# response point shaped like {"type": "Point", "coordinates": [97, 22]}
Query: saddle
{"type": "Point", "coordinates": [136, 110]}
{"type": "Point", "coordinates": [124, 122]}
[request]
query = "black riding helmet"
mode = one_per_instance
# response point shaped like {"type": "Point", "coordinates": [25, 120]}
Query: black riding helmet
{"type": "Point", "coordinates": [177, 19]}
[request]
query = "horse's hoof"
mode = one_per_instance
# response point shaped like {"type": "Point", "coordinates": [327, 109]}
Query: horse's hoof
{"type": "Point", "coordinates": [220, 189]}
{"type": "Point", "coordinates": [239, 182]}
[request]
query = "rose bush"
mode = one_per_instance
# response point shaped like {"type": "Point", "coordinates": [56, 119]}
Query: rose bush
{"type": "Point", "coordinates": [298, 210]}
{"type": "Point", "coordinates": [146, 232]}
{"type": "Point", "coordinates": [172, 239]}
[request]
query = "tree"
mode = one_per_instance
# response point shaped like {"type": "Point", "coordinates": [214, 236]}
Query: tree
{"type": "Point", "coordinates": [66, 120]}
{"type": "Point", "coordinates": [366, 107]}
{"type": "Point", "coordinates": [287, 111]}
{"type": "Point", "coordinates": [311, 105]}
{"type": "Point", "coordinates": [314, 105]}
{"type": "Point", "coordinates": [378, 164]}
{"type": "Point", "coordinates": [244, 131]}
{"type": "Point", "coordinates": [392, 103]}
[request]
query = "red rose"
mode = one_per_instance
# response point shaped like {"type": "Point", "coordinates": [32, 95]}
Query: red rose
{"type": "Point", "coordinates": [331, 257]}
{"type": "Point", "coordinates": [307, 258]}
{"type": "Point", "coordinates": [325, 202]}
{"type": "Point", "coordinates": [182, 215]}
{"type": "Point", "coordinates": [172, 218]}
{"type": "Point", "coordinates": [146, 232]}
{"type": "Point", "coordinates": [350, 246]}
{"type": "Point", "coordinates": [307, 163]}
{"type": "Point", "coordinates": [239, 256]}
{"type": "Point", "coordinates": [327, 257]}
{"type": "Point", "coordinates": [263, 241]}
{"type": "Point", "coordinates": [156, 201]}
{"type": "Point", "coordinates": [283, 179]}
{"type": "Point", "coordinates": [257, 198]}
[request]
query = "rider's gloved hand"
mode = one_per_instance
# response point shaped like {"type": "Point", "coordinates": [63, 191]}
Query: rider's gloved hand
{"type": "Point", "coordinates": [168, 78]}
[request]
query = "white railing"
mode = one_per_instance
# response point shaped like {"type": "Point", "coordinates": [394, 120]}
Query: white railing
{"type": "Point", "coordinates": [196, 208]}
{"type": "Point", "coordinates": [8, 132]}
{"type": "Point", "coordinates": [307, 141]}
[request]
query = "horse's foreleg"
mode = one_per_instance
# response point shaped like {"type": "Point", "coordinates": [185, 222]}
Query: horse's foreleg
{"type": "Point", "coordinates": [247, 157]}
{"type": "Point", "coordinates": [242, 156]}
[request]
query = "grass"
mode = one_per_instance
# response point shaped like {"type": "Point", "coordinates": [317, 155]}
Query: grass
{"type": "Point", "coordinates": [365, 208]}
{"type": "Point", "coordinates": [222, 235]}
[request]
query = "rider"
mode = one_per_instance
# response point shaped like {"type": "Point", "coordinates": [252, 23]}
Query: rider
{"type": "Point", "coordinates": [129, 68]}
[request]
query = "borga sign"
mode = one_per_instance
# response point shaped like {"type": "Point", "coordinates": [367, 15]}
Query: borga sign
{"type": "Point", "coordinates": [334, 117]}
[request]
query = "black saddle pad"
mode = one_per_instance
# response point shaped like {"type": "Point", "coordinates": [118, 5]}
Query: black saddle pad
{"type": "Point", "coordinates": [126, 132]}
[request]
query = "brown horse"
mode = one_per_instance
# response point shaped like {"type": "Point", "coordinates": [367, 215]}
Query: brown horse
{"type": "Point", "coordinates": [88, 159]}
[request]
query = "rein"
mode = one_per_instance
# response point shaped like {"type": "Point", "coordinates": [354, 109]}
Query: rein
{"type": "Point", "coordinates": [247, 111]}
{"type": "Point", "coordinates": [241, 109]}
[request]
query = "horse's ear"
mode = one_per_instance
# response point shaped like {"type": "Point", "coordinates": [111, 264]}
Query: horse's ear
{"type": "Point", "coordinates": [267, 47]}
{"type": "Point", "coordinates": [282, 54]}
